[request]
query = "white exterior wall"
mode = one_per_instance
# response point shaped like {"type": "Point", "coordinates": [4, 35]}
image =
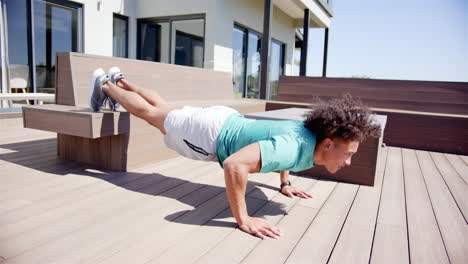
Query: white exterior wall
{"type": "Point", "coordinates": [220, 16]}
{"type": "Point", "coordinates": [97, 25]}
{"type": "Point", "coordinates": [163, 8]}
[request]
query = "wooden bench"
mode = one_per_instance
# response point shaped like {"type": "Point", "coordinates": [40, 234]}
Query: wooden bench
{"type": "Point", "coordinates": [363, 166]}
{"type": "Point", "coordinates": [118, 140]}
{"type": "Point", "coordinates": [422, 115]}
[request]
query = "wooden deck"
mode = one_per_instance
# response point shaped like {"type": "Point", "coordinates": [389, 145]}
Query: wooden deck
{"type": "Point", "coordinates": [54, 211]}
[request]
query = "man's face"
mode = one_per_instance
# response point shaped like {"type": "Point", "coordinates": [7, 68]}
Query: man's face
{"type": "Point", "coordinates": [338, 153]}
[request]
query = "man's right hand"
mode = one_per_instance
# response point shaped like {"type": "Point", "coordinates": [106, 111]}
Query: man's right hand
{"type": "Point", "coordinates": [259, 227]}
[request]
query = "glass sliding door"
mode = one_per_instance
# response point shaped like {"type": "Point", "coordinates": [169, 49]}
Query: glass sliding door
{"type": "Point", "coordinates": [19, 50]}
{"type": "Point", "coordinates": [246, 64]}
{"type": "Point", "coordinates": [275, 69]}
{"type": "Point", "coordinates": [120, 36]}
{"type": "Point", "coordinates": [239, 58]}
{"type": "Point", "coordinates": [55, 30]}
{"type": "Point", "coordinates": [178, 40]}
{"type": "Point", "coordinates": [254, 45]}
{"type": "Point", "coordinates": [36, 31]}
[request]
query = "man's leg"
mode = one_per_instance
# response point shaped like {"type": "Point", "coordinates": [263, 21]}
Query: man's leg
{"type": "Point", "coordinates": [149, 95]}
{"type": "Point", "coordinates": [137, 105]}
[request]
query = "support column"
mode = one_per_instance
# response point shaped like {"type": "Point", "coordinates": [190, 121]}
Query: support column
{"type": "Point", "coordinates": [305, 43]}
{"type": "Point", "coordinates": [265, 61]}
{"type": "Point", "coordinates": [325, 54]}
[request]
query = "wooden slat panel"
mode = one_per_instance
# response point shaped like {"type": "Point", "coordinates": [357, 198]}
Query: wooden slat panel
{"type": "Point", "coordinates": [456, 184]}
{"type": "Point", "coordinates": [460, 166]}
{"type": "Point", "coordinates": [360, 223]}
{"type": "Point", "coordinates": [439, 97]}
{"type": "Point", "coordinates": [452, 225]}
{"type": "Point", "coordinates": [173, 82]}
{"type": "Point", "coordinates": [422, 224]}
{"type": "Point", "coordinates": [63, 75]}
{"type": "Point", "coordinates": [390, 239]}
{"type": "Point", "coordinates": [414, 129]}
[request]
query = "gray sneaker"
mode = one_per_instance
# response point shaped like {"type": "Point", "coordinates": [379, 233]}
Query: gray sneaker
{"type": "Point", "coordinates": [97, 97]}
{"type": "Point", "coordinates": [115, 75]}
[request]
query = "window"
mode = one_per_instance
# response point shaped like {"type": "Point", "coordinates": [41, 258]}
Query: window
{"type": "Point", "coordinates": [120, 36]}
{"type": "Point", "coordinates": [247, 64]}
{"type": "Point", "coordinates": [254, 45]}
{"type": "Point", "coordinates": [239, 59]}
{"type": "Point", "coordinates": [276, 68]}
{"type": "Point", "coordinates": [178, 40]}
{"type": "Point", "coordinates": [36, 31]}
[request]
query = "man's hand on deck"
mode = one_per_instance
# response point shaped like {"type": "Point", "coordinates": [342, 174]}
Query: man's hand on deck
{"type": "Point", "coordinates": [259, 227]}
{"type": "Point", "coordinates": [293, 190]}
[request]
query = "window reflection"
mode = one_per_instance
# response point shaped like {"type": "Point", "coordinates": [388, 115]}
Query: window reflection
{"type": "Point", "coordinates": [154, 38]}
{"type": "Point", "coordinates": [20, 79]}
{"type": "Point", "coordinates": [276, 69]}
{"type": "Point", "coordinates": [246, 68]}
{"type": "Point", "coordinates": [120, 36]}
{"type": "Point", "coordinates": [55, 30]}
{"type": "Point", "coordinates": [253, 66]}
{"type": "Point", "coordinates": [184, 45]}
{"type": "Point", "coordinates": [239, 59]}
{"type": "Point", "coordinates": [188, 47]}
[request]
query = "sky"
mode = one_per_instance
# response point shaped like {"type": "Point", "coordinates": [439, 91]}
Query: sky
{"type": "Point", "coordinates": [394, 39]}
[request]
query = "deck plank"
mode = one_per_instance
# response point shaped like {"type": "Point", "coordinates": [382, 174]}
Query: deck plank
{"type": "Point", "coordinates": [44, 223]}
{"type": "Point", "coordinates": [459, 165]}
{"type": "Point", "coordinates": [193, 194]}
{"type": "Point", "coordinates": [422, 224]}
{"type": "Point", "coordinates": [360, 223]}
{"type": "Point", "coordinates": [456, 184]}
{"type": "Point", "coordinates": [155, 243]}
{"type": "Point", "coordinates": [325, 228]}
{"type": "Point", "coordinates": [129, 205]}
{"type": "Point", "coordinates": [464, 158]}
{"type": "Point", "coordinates": [390, 239]}
{"type": "Point", "coordinates": [36, 208]}
{"type": "Point", "coordinates": [235, 246]}
{"type": "Point", "coordinates": [451, 223]}
{"type": "Point", "coordinates": [293, 224]}
{"type": "Point", "coordinates": [212, 233]}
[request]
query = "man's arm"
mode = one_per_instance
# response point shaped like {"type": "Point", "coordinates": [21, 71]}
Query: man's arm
{"type": "Point", "coordinates": [236, 170]}
{"type": "Point", "coordinates": [291, 190]}
{"type": "Point", "coordinates": [284, 176]}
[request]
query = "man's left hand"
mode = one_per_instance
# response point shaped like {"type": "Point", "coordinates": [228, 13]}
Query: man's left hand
{"type": "Point", "coordinates": [293, 190]}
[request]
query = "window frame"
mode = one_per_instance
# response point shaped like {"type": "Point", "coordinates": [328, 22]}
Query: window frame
{"type": "Point", "coordinates": [125, 18]}
{"type": "Point", "coordinates": [31, 33]}
{"type": "Point", "coordinates": [248, 30]}
{"type": "Point", "coordinates": [170, 20]}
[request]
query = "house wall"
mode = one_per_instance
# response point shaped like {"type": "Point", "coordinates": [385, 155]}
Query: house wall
{"type": "Point", "coordinates": [220, 18]}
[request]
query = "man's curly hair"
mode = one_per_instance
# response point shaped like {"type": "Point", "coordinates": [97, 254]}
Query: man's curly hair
{"type": "Point", "coordinates": [345, 118]}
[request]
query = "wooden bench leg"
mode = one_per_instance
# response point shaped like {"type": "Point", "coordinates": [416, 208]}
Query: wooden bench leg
{"type": "Point", "coordinates": [106, 152]}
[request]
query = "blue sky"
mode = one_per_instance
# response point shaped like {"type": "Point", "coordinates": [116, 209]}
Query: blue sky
{"type": "Point", "coordinates": [406, 40]}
